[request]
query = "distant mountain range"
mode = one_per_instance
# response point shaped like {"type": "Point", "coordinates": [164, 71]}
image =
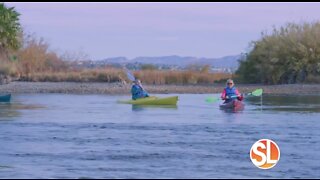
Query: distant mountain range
{"type": "Point", "coordinates": [223, 62]}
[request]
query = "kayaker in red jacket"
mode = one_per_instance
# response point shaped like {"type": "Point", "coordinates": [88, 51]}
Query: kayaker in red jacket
{"type": "Point", "coordinates": [230, 93]}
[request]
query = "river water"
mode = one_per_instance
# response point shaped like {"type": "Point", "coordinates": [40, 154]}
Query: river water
{"type": "Point", "coordinates": [92, 136]}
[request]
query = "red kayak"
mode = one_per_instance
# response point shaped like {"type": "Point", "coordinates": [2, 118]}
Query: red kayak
{"type": "Point", "coordinates": [235, 104]}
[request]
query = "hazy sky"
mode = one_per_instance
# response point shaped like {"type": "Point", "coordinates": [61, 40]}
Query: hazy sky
{"type": "Point", "coordinates": [156, 29]}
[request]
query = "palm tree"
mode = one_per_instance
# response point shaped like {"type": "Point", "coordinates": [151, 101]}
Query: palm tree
{"type": "Point", "coordinates": [10, 30]}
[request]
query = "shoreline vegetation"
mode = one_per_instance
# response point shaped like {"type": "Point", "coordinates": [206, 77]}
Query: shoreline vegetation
{"type": "Point", "coordinates": [19, 87]}
{"type": "Point", "coordinates": [114, 75]}
{"type": "Point", "coordinates": [288, 55]}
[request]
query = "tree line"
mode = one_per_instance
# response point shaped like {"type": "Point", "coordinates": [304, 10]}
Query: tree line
{"type": "Point", "coordinates": [289, 54]}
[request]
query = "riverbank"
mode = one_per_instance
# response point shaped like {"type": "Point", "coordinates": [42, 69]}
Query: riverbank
{"type": "Point", "coordinates": [118, 88]}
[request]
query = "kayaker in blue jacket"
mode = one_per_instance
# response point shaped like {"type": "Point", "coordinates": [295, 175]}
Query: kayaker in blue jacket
{"type": "Point", "coordinates": [231, 93]}
{"type": "Point", "coordinates": [138, 91]}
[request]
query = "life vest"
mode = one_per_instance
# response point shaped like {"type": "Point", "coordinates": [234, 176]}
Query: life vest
{"type": "Point", "coordinates": [137, 92]}
{"type": "Point", "coordinates": [230, 91]}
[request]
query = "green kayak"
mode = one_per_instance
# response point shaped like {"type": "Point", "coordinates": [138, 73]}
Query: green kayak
{"type": "Point", "coordinates": [153, 101]}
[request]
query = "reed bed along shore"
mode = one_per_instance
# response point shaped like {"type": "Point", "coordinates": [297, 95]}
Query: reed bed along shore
{"type": "Point", "coordinates": [111, 75]}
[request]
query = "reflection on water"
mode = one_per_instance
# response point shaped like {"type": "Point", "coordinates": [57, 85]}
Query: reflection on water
{"type": "Point", "coordinates": [7, 110]}
{"type": "Point", "coordinates": [289, 103]}
{"type": "Point", "coordinates": [144, 107]}
{"type": "Point", "coordinates": [232, 110]}
{"type": "Point", "coordinates": [11, 109]}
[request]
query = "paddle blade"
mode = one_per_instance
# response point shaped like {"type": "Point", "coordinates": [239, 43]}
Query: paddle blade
{"type": "Point", "coordinates": [257, 92]}
{"type": "Point", "coordinates": [212, 99]}
{"type": "Point", "coordinates": [130, 76]}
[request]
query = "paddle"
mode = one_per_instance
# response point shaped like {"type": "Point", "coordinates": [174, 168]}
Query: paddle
{"type": "Point", "coordinates": [130, 76]}
{"type": "Point", "coordinates": [257, 92]}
